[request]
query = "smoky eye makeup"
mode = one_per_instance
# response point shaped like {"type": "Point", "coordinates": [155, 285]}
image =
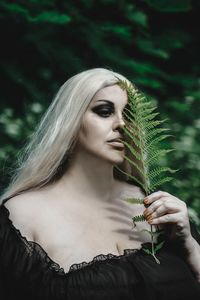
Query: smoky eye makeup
{"type": "Point", "coordinates": [106, 108]}
{"type": "Point", "coordinates": [103, 110]}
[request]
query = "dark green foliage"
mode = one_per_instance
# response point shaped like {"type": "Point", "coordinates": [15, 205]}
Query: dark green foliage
{"type": "Point", "coordinates": [154, 43]}
{"type": "Point", "coordinates": [170, 5]}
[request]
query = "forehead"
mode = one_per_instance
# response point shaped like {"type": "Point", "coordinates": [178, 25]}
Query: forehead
{"type": "Point", "coordinates": [112, 93]}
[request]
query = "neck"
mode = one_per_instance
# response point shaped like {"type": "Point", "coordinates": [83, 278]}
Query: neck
{"type": "Point", "coordinates": [90, 177]}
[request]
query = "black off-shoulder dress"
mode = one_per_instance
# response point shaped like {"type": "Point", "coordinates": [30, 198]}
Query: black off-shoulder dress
{"type": "Point", "coordinates": [27, 272]}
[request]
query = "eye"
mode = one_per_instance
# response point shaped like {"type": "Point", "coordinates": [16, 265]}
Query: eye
{"type": "Point", "coordinates": [103, 111]}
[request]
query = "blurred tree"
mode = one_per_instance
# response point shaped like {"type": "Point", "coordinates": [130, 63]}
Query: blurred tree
{"type": "Point", "coordinates": [154, 43]}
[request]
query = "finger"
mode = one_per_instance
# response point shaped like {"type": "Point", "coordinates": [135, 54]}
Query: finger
{"type": "Point", "coordinates": [160, 211]}
{"type": "Point", "coordinates": [148, 211]}
{"type": "Point", "coordinates": [169, 218]}
{"type": "Point", "coordinates": [155, 196]}
{"type": "Point", "coordinates": [164, 205]}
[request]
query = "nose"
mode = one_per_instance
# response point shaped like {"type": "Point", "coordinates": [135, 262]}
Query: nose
{"type": "Point", "coordinates": [119, 122]}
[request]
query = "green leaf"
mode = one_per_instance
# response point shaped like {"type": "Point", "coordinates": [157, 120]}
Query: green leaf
{"type": "Point", "coordinates": [146, 250]}
{"type": "Point", "coordinates": [153, 157]}
{"type": "Point", "coordinates": [154, 132]}
{"type": "Point", "coordinates": [51, 17]}
{"type": "Point", "coordinates": [134, 164]}
{"type": "Point", "coordinates": [160, 182]}
{"type": "Point", "coordinates": [130, 134]}
{"type": "Point", "coordinates": [155, 141]}
{"type": "Point", "coordinates": [159, 170]}
{"type": "Point", "coordinates": [159, 246]}
{"type": "Point", "coordinates": [135, 154]}
{"type": "Point", "coordinates": [170, 5]}
{"type": "Point", "coordinates": [149, 47]}
{"type": "Point", "coordinates": [138, 17]}
{"type": "Point", "coordinates": [139, 218]}
{"type": "Point", "coordinates": [48, 16]}
{"type": "Point", "coordinates": [135, 179]}
{"type": "Point", "coordinates": [153, 233]}
{"type": "Point", "coordinates": [134, 200]}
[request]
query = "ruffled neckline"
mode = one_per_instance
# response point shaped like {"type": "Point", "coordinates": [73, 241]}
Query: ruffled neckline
{"type": "Point", "coordinates": [76, 266]}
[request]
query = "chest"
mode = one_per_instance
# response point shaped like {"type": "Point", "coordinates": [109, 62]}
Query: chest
{"type": "Point", "coordinates": [80, 238]}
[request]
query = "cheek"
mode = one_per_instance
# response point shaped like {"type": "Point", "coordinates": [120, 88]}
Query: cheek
{"type": "Point", "coordinates": [94, 130]}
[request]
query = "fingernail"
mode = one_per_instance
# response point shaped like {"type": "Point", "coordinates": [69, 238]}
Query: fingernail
{"type": "Point", "coordinates": [146, 201]}
{"type": "Point", "coordinates": [150, 221]}
{"type": "Point", "coordinates": [149, 217]}
{"type": "Point", "coordinates": [147, 214]}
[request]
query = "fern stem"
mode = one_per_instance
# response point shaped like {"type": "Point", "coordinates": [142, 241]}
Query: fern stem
{"type": "Point", "coordinates": [153, 248]}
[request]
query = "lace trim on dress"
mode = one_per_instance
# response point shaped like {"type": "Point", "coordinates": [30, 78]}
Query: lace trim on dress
{"type": "Point", "coordinates": [102, 257]}
{"type": "Point", "coordinates": [32, 246]}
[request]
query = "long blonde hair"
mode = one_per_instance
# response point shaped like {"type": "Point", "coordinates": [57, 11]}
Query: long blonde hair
{"type": "Point", "coordinates": [46, 156]}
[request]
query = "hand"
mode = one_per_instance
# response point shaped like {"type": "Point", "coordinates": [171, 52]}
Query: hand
{"type": "Point", "coordinates": [169, 213]}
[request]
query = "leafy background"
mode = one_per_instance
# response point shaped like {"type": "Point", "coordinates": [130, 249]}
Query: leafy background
{"type": "Point", "coordinates": [155, 43]}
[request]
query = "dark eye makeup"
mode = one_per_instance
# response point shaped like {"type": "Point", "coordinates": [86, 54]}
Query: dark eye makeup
{"type": "Point", "coordinates": [103, 110]}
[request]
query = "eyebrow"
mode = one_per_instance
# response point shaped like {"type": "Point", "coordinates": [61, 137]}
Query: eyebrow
{"type": "Point", "coordinates": [111, 103]}
{"type": "Point", "coordinates": [107, 101]}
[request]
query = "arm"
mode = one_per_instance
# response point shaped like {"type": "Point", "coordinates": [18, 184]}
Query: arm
{"type": "Point", "coordinates": [193, 258]}
{"type": "Point", "coordinates": [167, 210]}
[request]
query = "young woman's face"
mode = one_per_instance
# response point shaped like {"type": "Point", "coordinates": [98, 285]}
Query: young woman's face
{"type": "Point", "coordinates": [102, 122]}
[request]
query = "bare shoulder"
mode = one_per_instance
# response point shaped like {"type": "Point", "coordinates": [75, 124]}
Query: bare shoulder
{"type": "Point", "coordinates": [23, 211]}
{"type": "Point", "coordinates": [130, 190]}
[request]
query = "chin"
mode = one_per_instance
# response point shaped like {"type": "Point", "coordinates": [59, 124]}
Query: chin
{"type": "Point", "coordinates": [117, 159]}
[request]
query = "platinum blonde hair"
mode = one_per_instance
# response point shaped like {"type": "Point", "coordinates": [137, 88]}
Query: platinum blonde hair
{"type": "Point", "coordinates": [56, 134]}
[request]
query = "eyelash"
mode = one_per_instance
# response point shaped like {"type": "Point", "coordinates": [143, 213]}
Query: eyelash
{"type": "Point", "coordinates": [103, 112]}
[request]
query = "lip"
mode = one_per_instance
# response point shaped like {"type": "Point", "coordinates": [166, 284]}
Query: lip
{"type": "Point", "coordinates": [117, 144]}
{"type": "Point", "coordinates": [119, 139]}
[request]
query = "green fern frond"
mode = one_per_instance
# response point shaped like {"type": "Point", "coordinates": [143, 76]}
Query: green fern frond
{"type": "Point", "coordinates": [160, 182]}
{"type": "Point", "coordinates": [139, 218]}
{"type": "Point", "coordinates": [145, 134]}
{"type": "Point", "coordinates": [153, 233]}
{"type": "Point", "coordinates": [150, 134]}
{"type": "Point", "coordinates": [135, 179]}
{"type": "Point", "coordinates": [158, 171]}
{"type": "Point", "coordinates": [153, 157]}
{"type": "Point", "coordinates": [152, 254]}
{"type": "Point", "coordinates": [134, 200]}
{"type": "Point", "coordinates": [132, 137]}
{"type": "Point", "coordinates": [135, 153]}
{"type": "Point", "coordinates": [147, 117]}
{"type": "Point", "coordinates": [146, 110]}
{"type": "Point", "coordinates": [159, 246]}
{"type": "Point", "coordinates": [155, 141]}
{"type": "Point", "coordinates": [141, 171]}
{"type": "Point", "coordinates": [147, 251]}
{"type": "Point", "coordinates": [154, 124]}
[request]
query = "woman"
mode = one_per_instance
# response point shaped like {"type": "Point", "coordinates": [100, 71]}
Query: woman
{"type": "Point", "coordinates": [65, 231]}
